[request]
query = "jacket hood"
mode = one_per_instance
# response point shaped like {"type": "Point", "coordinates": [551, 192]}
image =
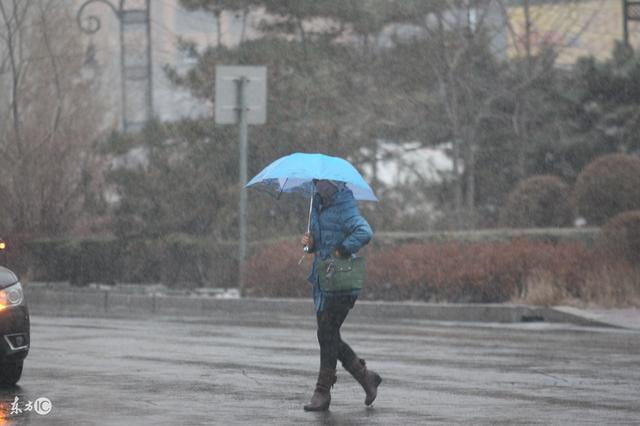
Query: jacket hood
{"type": "Point", "coordinates": [342, 195]}
{"type": "Point", "coordinates": [7, 277]}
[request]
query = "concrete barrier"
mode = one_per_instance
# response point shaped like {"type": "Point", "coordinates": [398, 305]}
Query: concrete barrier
{"type": "Point", "coordinates": [88, 302]}
{"type": "Point", "coordinates": [128, 304]}
{"type": "Point", "coordinates": [66, 302]}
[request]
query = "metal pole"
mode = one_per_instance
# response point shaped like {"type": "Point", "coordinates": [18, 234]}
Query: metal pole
{"type": "Point", "coordinates": [242, 119]}
{"type": "Point", "coordinates": [625, 22]}
{"type": "Point", "coordinates": [123, 77]}
{"type": "Point", "coordinates": [149, 65]}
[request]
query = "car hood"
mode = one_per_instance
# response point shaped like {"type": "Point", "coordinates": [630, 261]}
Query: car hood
{"type": "Point", "coordinates": [7, 277]}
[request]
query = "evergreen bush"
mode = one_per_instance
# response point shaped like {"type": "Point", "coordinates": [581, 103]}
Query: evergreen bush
{"type": "Point", "coordinates": [539, 201]}
{"type": "Point", "coordinates": [620, 236]}
{"type": "Point", "coordinates": [607, 186]}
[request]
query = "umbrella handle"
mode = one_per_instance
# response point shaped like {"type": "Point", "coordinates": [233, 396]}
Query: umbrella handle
{"type": "Point", "coordinates": [306, 248]}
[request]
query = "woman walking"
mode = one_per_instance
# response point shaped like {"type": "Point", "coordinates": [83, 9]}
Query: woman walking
{"type": "Point", "coordinates": [336, 229]}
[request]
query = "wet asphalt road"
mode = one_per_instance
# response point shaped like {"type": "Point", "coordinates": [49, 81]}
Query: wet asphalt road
{"type": "Point", "coordinates": [252, 370]}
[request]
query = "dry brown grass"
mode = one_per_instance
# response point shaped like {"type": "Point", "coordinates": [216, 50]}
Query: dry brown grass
{"type": "Point", "coordinates": [610, 285]}
{"type": "Point", "coordinates": [616, 285]}
{"type": "Point", "coordinates": [542, 288]}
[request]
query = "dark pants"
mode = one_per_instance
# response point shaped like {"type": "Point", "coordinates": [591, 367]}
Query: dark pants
{"type": "Point", "coordinates": [332, 347]}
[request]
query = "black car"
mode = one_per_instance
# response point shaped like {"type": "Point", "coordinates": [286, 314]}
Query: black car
{"type": "Point", "coordinates": [14, 328]}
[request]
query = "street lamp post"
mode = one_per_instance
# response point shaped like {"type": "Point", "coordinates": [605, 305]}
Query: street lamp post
{"type": "Point", "coordinates": [132, 74]}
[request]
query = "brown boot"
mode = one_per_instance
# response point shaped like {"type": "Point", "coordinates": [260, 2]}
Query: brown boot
{"type": "Point", "coordinates": [369, 380]}
{"type": "Point", "coordinates": [322, 395]}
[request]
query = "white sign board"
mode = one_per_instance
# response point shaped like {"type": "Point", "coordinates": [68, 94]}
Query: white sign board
{"type": "Point", "coordinates": [255, 93]}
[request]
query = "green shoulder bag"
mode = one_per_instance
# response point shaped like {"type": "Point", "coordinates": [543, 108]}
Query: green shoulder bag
{"type": "Point", "coordinates": [341, 275]}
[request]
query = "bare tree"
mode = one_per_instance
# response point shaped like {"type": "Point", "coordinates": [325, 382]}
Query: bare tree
{"type": "Point", "coordinates": [465, 32]}
{"type": "Point", "coordinates": [537, 34]}
{"type": "Point", "coordinates": [48, 117]}
{"type": "Point", "coordinates": [461, 32]}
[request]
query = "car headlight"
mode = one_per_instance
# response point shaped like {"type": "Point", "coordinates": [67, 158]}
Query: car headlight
{"type": "Point", "coordinates": [11, 296]}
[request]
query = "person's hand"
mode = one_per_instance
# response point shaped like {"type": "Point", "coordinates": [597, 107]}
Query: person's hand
{"type": "Point", "coordinates": [341, 253]}
{"type": "Point", "coordinates": [307, 240]}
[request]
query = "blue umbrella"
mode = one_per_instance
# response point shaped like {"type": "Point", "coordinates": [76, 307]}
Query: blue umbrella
{"type": "Point", "coordinates": [295, 173]}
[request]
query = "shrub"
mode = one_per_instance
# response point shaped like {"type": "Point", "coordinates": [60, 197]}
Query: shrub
{"type": "Point", "coordinates": [185, 261]}
{"type": "Point", "coordinates": [533, 271]}
{"type": "Point", "coordinates": [540, 201]}
{"type": "Point", "coordinates": [142, 261]}
{"type": "Point", "coordinates": [542, 289]}
{"type": "Point", "coordinates": [51, 259]}
{"type": "Point", "coordinates": [607, 186]}
{"type": "Point", "coordinates": [77, 261]}
{"type": "Point", "coordinates": [180, 260]}
{"type": "Point", "coordinates": [620, 236]}
{"type": "Point", "coordinates": [614, 283]}
{"type": "Point", "coordinates": [224, 269]}
{"type": "Point", "coordinates": [95, 260]}
{"type": "Point", "coordinates": [488, 272]}
{"type": "Point", "coordinates": [177, 260]}
{"type": "Point", "coordinates": [274, 271]}
{"type": "Point", "coordinates": [546, 235]}
{"type": "Point", "coordinates": [476, 272]}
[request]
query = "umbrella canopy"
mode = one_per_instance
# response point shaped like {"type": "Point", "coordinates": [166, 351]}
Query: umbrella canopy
{"type": "Point", "coordinates": [294, 173]}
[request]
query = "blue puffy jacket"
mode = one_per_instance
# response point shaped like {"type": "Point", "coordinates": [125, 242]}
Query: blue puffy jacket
{"type": "Point", "coordinates": [338, 223]}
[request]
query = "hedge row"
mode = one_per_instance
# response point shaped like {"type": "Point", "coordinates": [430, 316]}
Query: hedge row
{"type": "Point", "coordinates": [471, 272]}
{"type": "Point", "coordinates": [475, 272]}
{"type": "Point", "coordinates": [546, 235]}
{"type": "Point", "coordinates": [182, 261]}
{"type": "Point", "coordinates": [480, 266]}
{"type": "Point", "coordinates": [486, 272]}
{"type": "Point", "coordinates": [176, 260]}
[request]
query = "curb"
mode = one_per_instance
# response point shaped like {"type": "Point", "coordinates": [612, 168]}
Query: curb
{"type": "Point", "coordinates": [106, 303]}
{"type": "Point", "coordinates": [487, 313]}
{"type": "Point", "coordinates": [605, 318]}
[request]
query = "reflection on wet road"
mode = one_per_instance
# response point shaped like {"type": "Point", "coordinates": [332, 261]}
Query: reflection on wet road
{"type": "Point", "coordinates": [254, 370]}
